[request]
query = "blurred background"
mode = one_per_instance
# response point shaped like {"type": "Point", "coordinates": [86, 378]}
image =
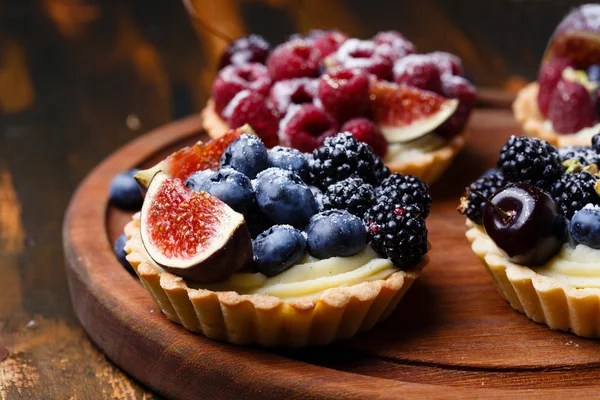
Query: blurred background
{"type": "Point", "coordinates": [80, 78]}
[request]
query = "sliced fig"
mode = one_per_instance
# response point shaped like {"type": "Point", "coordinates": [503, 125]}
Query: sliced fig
{"type": "Point", "coordinates": [577, 37]}
{"type": "Point", "coordinates": [193, 234]}
{"type": "Point", "coordinates": [200, 156]}
{"type": "Point", "coordinates": [405, 113]}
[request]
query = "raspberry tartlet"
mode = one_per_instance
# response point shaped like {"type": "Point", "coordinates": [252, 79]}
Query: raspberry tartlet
{"type": "Point", "coordinates": [411, 108]}
{"type": "Point", "coordinates": [275, 247]}
{"type": "Point", "coordinates": [535, 224]}
{"type": "Point", "coordinates": [563, 106]}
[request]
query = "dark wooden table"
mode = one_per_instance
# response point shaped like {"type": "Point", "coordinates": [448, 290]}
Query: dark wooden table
{"type": "Point", "coordinates": [80, 78]}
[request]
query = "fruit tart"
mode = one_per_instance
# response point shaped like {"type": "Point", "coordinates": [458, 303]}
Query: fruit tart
{"type": "Point", "coordinates": [276, 247]}
{"type": "Point", "coordinates": [410, 108]}
{"type": "Point", "coordinates": [535, 224]}
{"type": "Point", "coordinates": [563, 106]}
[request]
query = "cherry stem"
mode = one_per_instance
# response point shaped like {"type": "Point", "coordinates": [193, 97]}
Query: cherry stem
{"type": "Point", "coordinates": [506, 216]}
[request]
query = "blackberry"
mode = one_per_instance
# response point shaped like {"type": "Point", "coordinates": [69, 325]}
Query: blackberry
{"type": "Point", "coordinates": [407, 190]}
{"type": "Point", "coordinates": [381, 171]}
{"type": "Point", "coordinates": [397, 232]}
{"type": "Point", "coordinates": [574, 191]}
{"type": "Point", "coordinates": [341, 157]}
{"type": "Point", "coordinates": [596, 143]}
{"type": "Point", "coordinates": [530, 160]}
{"type": "Point", "coordinates": [583, 154]}
{"type": "Point", "coordinates": [351, 194]}
{"type": "Point", "coordinates": [471, 204]}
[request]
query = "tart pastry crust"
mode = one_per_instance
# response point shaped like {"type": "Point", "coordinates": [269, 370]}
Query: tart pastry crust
{"type": "Point", "coordinates": [543, 299]}
{"type": "Point", "coordinates": [527, 113]}
{"type": "Point", "coordinates": [337, 313]}
{"type": "Point", "coordinates": [428, 167]}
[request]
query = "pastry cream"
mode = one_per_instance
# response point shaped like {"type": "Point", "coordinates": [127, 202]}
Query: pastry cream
{"type": "Point", "coordinates": [584, 134]}
{"type": "Point", "coordinates": [309, 277]}
{"type": "Point", "coordinates": [414, 149]}
{"type": "Point", "coordinates": [575, 265]}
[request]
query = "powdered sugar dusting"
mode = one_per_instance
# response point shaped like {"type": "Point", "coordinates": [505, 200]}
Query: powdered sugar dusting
{"type": "Point", "coordinates": [228, 110]}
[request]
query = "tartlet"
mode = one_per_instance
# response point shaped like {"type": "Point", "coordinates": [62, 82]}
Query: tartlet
{"type": "Point", "coordinates": [320, 76]}
{"type": "Point", "coordinates": [561, 107]}
{"type": "Point", "coordinates": [335, 314]}
{"type": "Point", "coordinates": [335, 272]}
{"type": "Point", "coordinates": [533, 224]}
{"type": "Point", "coordinates": [527, 113]}
{"type": "Point", "coordinates": [428, 166]}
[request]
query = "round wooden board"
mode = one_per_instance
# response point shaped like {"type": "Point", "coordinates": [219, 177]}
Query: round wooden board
{"type": "Point", "coordinates": [451, 336]}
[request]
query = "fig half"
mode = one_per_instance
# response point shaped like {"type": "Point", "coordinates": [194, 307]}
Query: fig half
{"type": "Point", "coordinates": [197, 157]}
{"type": "Point", "coordinates": [405, 113]}
{"type": "Point", "coordinates": [193, 234]}
{"type": "Point", "coordinates": [577, 37]}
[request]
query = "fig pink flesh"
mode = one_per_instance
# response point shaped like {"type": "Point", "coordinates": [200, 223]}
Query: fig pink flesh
{"type": "Point", "coordinates": [184, 222]}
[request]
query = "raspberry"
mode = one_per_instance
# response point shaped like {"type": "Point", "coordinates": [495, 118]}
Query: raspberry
{"type": "Point", "coordinates": [341, 157]}
{"type": "Point", "coordinates": [247, 49]}
{"type": "Point", "coordinates": [235, 78]}
{"type": "Point", "coordinates": [447, 63]}
{"type": "Point", "coordinates": [328, 42]}
{"type": "Point", "coordinates": [571, 107]}
{"type": "Point", "coordinates": [532, 160]}
{"type": "Point", "coordinates": [365, 55]}
{"type": "Point", "coordinates": [344, 93]}
{"type": "Point", "coordinates": [251, 108]}
{"type": "Point", "coordinates": [293, 91]}
{"type": "Point", "coordinates": [366, 131]}
{"type": "Point", "coordinates": [418, 71]}
{"type": "Point", "coordinates": [574, 191]}
{"type": "Point", "coordinates": [549, 75]}
{"type": "Point", "coordinates": [407, 190]}
{"type": "Point", "coordinates": [471, 204]}
{"type": "Point", "coordinates": [399, 44]}
{"type": "Point", "coordinates": [351, 194]}
{"type": "Point", "coordinates": [457, 87]}
{"type": "Point", "coordinates": [397, 232]}
{"type": "Point", "coordinates": [305, 127]}
{"type": "Point", "coordinates": [295, 59]}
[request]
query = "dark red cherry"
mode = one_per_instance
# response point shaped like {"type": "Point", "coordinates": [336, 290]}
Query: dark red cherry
{"type": "Point", "coordinates": [525, 223]}
{"type": "Point", "coordinates": [247, 49]}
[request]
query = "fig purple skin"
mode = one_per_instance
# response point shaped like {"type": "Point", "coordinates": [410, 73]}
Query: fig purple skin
{"type": "Point", "coordinates": [535, 229]}
{"type": "Point", "coordinates": [577, 37]}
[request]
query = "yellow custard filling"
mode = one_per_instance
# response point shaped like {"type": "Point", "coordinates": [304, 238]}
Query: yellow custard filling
{"type": "Point", "coordinates": [414, 149]}
{"type": "Point", "coordinates": [576, 265]}
{"type": "Point", "coordinates": [585, 133]}
{"type": "Point", "coordinates": [310, 277]}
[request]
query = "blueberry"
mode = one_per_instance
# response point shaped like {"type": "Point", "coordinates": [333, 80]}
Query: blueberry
{"type": "Point", "coordinates": [231, 186]}
{"type": "Point", "coordinates": [585, 227]}
{"type": "Point", "coordinates": [335, 233]}
{"type": "Point", "coordinates": [277, 249]}
{"type": "Point", "coordinates": [199, 180]}
{"type": "Point", "coordinates": [593, 73]}
{"type": "Point", "coordinates": [284, 197]}
{"type": "Point", "coordinates": [290, 159]}
{"type": "Point", "coordinates": [247, 154]}
{"type": "Point", "coordinates": [124, 191]}
{"type": "Point", "coordinates": [120, 252]}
